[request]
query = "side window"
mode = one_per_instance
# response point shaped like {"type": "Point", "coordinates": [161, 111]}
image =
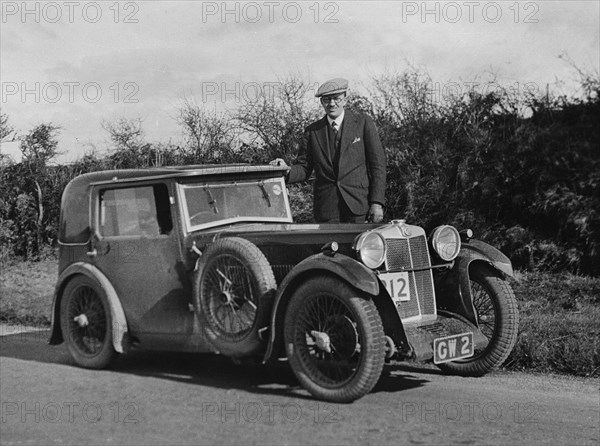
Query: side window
{"type": "Point", "coordinates": [135, 211]}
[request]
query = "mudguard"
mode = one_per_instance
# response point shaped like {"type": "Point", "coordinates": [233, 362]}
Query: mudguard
{"type": "Point", "coordinates": [119, 328]}
{"type": "Point", "coordinates": [340, 265]}
{"type": "Point", "coordinates": [453, 288]}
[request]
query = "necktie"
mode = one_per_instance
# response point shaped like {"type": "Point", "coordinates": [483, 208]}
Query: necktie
{"type": "Point", "coordinates": [336, 133]}
{"type": "Point", "coordinates": [335, 144]}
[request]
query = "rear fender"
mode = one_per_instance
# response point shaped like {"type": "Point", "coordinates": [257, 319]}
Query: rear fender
{"type": "Point", "coordinates": [119, 328]}
{"type": "Point", "coordinates": [453, 287]}
{"type": "Point", "coordinates": [344, 267]}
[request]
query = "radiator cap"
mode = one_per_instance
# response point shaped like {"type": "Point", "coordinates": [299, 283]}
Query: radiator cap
{"type": "Point", "coordinates": [403, 227]}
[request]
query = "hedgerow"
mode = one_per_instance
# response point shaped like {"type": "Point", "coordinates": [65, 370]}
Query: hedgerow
{"type": "Point", "coordinates": [522, 171]}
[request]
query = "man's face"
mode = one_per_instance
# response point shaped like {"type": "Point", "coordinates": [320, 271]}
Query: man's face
{"type": "Point", "coordinates": [334, 104]}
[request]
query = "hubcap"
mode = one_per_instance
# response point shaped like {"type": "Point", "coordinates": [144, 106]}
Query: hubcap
{"type": "Point", "coordinates": [322, 340]}
{"type": "Point", "coordinates": [82, 320]}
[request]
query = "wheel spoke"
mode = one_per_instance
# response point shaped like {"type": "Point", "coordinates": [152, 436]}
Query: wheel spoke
{"type": "Point", "coordinates": [328, 315]}
{"type": "Point", "coordinates": [230, 296]}
{"type": "Point", "coordinates": [486, 315]}
{"type": "Point", "coordinates": [89, 339]}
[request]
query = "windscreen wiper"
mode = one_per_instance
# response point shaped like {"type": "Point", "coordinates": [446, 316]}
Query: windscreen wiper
{"type": "Point", "coordinates": [211, 199]}
{"type": "Point", "coordinates": [261, 184]}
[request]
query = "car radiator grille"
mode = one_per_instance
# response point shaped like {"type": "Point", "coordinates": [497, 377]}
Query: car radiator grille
{"type": "Point", "coordinates": [413, 253]}
{"type": "Point", "coordinates": [280, 271]}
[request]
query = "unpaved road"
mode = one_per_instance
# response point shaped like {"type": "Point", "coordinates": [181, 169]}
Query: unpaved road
{"type": "Point", "coordinates": [162, 398]}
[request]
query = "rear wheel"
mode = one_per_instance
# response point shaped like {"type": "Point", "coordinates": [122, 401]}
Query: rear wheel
{"type": "Point", "coordinates": [334, 340]}
{"type": "Point", "coordinates": [498, 316]}
{"type": "Point", "coordinates": [86, 323]}
{"type": "Point", "coordinates": [234, 288]}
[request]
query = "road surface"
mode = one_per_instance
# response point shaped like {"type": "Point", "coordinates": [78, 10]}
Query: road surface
{"type": "Point", "coordinates": [164, 398]}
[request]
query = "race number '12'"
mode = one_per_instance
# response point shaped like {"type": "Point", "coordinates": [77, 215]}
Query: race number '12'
{"type": "Point", "coordinates": [397, 285]}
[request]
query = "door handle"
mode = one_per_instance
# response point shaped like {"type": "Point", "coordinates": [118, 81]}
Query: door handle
{"type": "Point", "coordinates": [99, 248]}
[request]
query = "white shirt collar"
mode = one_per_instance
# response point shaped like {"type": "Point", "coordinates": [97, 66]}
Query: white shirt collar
{"type": "Point", "coordinates": [337, 120]}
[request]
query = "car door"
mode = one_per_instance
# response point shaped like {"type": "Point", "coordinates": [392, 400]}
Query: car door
{"type": "Point", "coordinates": [135, 244]}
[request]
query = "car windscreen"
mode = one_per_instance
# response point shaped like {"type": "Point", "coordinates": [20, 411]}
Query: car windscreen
{"type": "Point", "coordinates": [216, 203]}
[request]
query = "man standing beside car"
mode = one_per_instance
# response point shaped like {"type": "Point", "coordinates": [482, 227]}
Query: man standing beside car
{"type": "Point", "coordinates": [344, 150]}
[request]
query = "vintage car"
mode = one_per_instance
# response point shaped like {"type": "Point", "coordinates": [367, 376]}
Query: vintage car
{"type": "Point", "coordinates": [208, 259]}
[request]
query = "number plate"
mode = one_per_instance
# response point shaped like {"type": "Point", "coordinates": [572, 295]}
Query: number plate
{"type": "Point", "coordinates": [451, 348]}
{"type": "Point", "coordinates": [397, 286]}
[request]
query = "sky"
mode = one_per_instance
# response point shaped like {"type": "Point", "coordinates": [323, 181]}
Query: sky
{"type": "Point", "coordinates": [77, 64]}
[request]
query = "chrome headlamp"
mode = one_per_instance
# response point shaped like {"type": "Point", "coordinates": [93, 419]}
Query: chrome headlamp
{"type": "Point", "coordinates": [370, 248]}
{"type": "Point", "coordinates": [445, 241]}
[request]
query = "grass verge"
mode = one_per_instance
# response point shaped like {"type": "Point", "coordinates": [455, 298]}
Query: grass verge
{"type": "Point", "coordinates": [26, 292]}
{"type": "Point", "coordinates": [558, 331]}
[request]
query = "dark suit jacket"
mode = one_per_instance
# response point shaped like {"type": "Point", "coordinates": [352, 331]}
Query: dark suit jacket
{"type": "Point", "coordinates": [360, 177]}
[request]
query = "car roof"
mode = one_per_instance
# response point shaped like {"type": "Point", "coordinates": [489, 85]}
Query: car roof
{"type": "Point", "coordinates": [197, 170]}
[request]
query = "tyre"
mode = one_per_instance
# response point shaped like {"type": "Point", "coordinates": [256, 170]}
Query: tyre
{"type": "Point", "coordinates": [498, 316]}
{"type": "Point", "coordinates": [86, 323]}
{"type": "Point", "coordinates": [334, 340]}
{"type": "Point", "coordinates": [234, 288]}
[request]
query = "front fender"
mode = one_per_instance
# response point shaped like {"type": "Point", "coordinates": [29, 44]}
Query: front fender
{"type": "Point", "coordinates": [478, 250]}
{"type": "Point", "coordinates": [453, 288]}
{"type": "Point", "coordinates": [119, 328]}
{"type": "Point", "coordinates": [340, 265]}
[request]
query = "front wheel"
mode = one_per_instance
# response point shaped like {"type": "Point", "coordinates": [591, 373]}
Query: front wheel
{"type": "Point", "coordinates": [334, 340]}
{"type": "Point", "coordinates": [498, 316]}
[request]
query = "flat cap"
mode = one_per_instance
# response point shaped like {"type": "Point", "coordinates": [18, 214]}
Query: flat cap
{"type": "Point", "coordinates": [332, 86]}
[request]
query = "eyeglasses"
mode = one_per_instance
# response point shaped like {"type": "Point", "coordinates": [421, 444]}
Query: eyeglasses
{"type": "Point", "coordinates": [336, 99]}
